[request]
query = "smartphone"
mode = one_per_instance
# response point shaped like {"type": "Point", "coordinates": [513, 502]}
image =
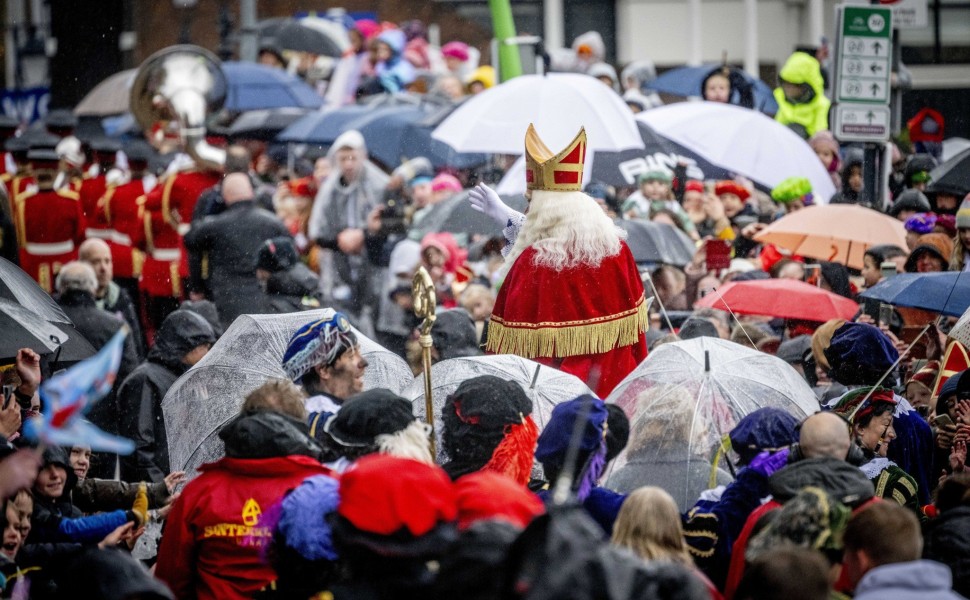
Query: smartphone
{"type": "Point", "coordinates": [7, 395]}
{"type": "Point", "coordinates": [888, 269]}
{"type": "Point", "coordinates": [942, 420]}
{"type": "Point", "coordinates": [718, 254]}
{"type": "Point", "coordinates": [885, 314]}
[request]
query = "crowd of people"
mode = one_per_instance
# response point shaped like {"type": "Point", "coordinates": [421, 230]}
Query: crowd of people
{"type": "Point", "coordinates": [328, 489]}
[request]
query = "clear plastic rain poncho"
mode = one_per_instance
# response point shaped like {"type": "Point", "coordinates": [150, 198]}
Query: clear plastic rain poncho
{"type": "Point", "coordinates": [684, 399]}
{"type": "Point", "coordinates": [209, 394]}
{"type": "Point", "coordinates": [545, 386]}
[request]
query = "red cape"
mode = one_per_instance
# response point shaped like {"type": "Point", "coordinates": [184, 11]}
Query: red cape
{"type": "Point", "coordinates": [585, 320]}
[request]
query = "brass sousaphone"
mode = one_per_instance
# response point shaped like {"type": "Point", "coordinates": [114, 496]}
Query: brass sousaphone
{"type": "Point", "coordinates": [174, 91]}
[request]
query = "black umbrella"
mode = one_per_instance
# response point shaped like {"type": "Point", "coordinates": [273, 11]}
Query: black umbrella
{"type": "Point", "coordinates": [953, 176]}
{"type": "Point", "coordinates": [264, 124]}
{"type": "Point", "coordinates": [657, 243]}
{"type": "Point", "coordinates": [23, 328]}
{"type": "Point", "coordinates": [621, 169]}
{"type": "Point", "coordinates": [457, 216]}
{"type": "Point", "coordinates": [300, 37]}
{"type": "Point", "coordinates": [18, 287]}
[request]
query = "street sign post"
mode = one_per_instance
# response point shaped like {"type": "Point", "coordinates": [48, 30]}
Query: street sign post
{"type": "Point", "coordinates": [864, 55]}
{"type": "Point", "coordinates": [908, 14]}
{"type": "Point", "coordinates": [862, 122]}
{"type": "Point", "coordinates": [862, 87]}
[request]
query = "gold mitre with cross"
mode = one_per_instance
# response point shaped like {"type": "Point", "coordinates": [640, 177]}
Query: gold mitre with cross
{"type": "Point", "coordinates": [561, 172]}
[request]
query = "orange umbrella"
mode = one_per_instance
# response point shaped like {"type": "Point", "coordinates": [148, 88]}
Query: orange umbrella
{"type": "Point", "coordinates": [784, 298]}
{"type": "Point", "coordinates": [834, 232]}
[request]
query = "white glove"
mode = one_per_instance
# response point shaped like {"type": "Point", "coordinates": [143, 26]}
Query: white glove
{"type": "Point", "coordinates": [485, 200]}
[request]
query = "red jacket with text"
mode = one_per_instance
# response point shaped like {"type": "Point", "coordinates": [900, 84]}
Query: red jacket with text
{"type": "Point", "coordinates": [214, 537]}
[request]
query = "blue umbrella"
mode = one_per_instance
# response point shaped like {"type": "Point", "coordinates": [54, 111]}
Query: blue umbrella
{"type": "Point", "coordinates": [325, 127]}
{"type": "Point", "coordinates": [322, 127]}
{"type": "Point", "coordinates": [393, 132]}
{"type": "Point", "coordinates": [253, 86]}
{"type": "Point", "coordinates": [947, 293]}
{"type": "Point", "coordinates": [687, 81]}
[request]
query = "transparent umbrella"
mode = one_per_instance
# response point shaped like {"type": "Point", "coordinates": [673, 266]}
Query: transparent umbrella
{"type": "Point", "coordinates": [684, 398]}
{"type": "Point", "coordinates": [209, 395]}
{"type": "Point", "coordinates": [545, 386]}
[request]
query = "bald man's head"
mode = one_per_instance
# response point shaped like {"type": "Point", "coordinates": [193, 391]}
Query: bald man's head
{"type": "Point", "coordinates": [824, 434]}
{"type": "Point", "coordinates": [96, 253]}
{"type": "Point", "coordinates": [237, 187]}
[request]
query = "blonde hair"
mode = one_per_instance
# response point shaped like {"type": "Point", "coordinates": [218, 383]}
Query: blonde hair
{"type": "Point", "coordinates": [280, 395]}
{"type": "Point", "coordinates": [567, 229]}
{"type": "Point", "coordinates": [649, 525]}
{"type": "Point", "coordinates": [666, 416]}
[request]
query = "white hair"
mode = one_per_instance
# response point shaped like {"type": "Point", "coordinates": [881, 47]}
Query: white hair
{"type": "Point", "coordinates": [410, 442]}
{"type": "Point", "coordinates": [567, 229]}
{"type": "Point", "coordinates": [76, 275]}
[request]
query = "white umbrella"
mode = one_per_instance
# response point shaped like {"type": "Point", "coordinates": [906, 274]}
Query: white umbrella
{"type": "Point", "coordinates": [741, 140]}
{"type": "Point", "coordinates": [513, 182]}
{"type": "Point", "coordinates": [110, 97]}
{"type": "Point", "coordinates": [558, 104]}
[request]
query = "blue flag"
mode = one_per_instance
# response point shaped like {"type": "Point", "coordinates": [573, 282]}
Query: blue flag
{"type": "Point", "coordinates": [71, 394]}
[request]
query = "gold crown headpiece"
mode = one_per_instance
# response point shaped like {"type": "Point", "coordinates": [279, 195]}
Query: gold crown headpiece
{"type": "Point", "coordinates": [561, 172]}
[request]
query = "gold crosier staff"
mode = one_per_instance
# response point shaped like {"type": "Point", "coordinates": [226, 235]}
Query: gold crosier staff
{"type": "Point", "coordinates": [423, 296]}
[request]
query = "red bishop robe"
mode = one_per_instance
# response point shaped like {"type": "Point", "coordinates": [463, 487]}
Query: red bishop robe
{"type": "Point", "coordinates": [585, 320]}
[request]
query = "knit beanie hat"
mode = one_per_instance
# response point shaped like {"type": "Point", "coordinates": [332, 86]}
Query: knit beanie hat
{"type": "Point", "coordinates": [946, 224]}
{"type": "Point", "coordinates": [318, 342]}
{"type": "Point", "coordinates": [963, 213]}
{"type": "Point", "coordinates": [694, 186]}
{"type": "Point", "coordinates": [445, 182]}
{"type": "Point", "coordinates": [656, 175]}
{"type": "Point", "coordinates": [455, 49]}
{"type": "Point", "coordinates": [731, 187]}
{"type": "Point", "coordinates": [825, 139]}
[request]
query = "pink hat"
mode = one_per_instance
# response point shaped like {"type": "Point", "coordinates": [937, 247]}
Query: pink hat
{"type": "Point", "coordinates": [368, 28]}
{"type": "Point", "coordinates": [457, 50]}
{"type": "Point", "coordinates": [445, 182]}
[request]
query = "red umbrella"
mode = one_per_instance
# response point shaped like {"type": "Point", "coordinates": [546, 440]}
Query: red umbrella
{"type": "Point", "coordinates": [785, 298]}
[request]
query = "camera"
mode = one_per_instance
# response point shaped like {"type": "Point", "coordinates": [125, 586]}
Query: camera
{"type": "Point", "coordinates": [393, 217]}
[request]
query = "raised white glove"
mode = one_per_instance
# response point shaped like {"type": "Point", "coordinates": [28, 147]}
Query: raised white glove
{"type": "Point", "coordinates": [485, 200]}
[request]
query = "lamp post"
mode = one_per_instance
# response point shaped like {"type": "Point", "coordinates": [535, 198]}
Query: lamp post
{"type": "Point", "coordinates": [185, 7]}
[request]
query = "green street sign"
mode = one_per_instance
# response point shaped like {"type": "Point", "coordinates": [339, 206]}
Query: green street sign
{"type": "Point", "coordinates": [864, 54]}
{"type": "Point", "coordinates": [865, 21]}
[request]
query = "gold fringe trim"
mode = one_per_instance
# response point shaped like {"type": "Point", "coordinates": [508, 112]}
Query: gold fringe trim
{"type": "Point", "coordinates": [570, 338]}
